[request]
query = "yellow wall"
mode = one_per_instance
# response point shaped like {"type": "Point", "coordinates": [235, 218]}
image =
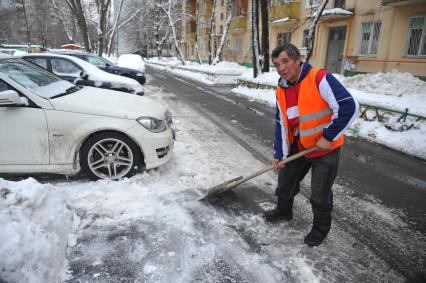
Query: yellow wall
{"type": "Point", "coordinates": [391, 46]}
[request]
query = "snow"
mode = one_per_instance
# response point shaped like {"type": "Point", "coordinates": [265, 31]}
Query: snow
{"type": "Point", "coordinates": [222, 73]}
{"type": "Point", "coordinates": [153, 227]}
{"type": "Point", "coordinates": [131, 61]}
{"type": "Point", "coordinates": [394, 90]}
{"type": "Point", "coordinates": [283, 20]}
{"type": "Point", "coordinates": [334, 11]}
{"type": "Point", "coordinates": [100, 76]}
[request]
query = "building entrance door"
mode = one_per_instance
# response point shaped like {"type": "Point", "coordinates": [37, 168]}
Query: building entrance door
{"type": "Point", "coordinates": [336, 43]}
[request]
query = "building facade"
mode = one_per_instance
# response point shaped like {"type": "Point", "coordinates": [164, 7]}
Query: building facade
{"type": "Point", "coordinates": [352, 36]}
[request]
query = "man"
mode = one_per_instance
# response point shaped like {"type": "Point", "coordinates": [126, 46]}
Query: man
{"type": "Point", "coordinates": [313, 109]}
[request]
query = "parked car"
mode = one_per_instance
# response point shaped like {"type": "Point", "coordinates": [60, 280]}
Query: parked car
{"type": "Point", "coordinates": [132, 61]}
{"type": "Point", "coordinates": [80, 72]}
{"type": "Point", "coordinates": [49, 125]}
{"type": "Point", "coordinates": [106, 65]}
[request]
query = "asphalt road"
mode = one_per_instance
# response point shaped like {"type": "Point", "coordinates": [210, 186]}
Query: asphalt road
{"type": "Point", "coordinates": [373, 180]}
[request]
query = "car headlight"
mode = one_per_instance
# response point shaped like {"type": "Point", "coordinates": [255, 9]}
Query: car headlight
{"type": "Point", "coordinates": [152, 124]}
{"type": "Point", "coordinates": [139, 75]}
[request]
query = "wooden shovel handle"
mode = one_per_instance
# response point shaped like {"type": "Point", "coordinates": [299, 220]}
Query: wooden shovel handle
{"type": "Point", "coordinates": [269, 167]}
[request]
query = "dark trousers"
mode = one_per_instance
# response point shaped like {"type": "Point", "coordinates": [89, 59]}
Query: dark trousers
{"type": "Point", "coordinates": [324, 171]}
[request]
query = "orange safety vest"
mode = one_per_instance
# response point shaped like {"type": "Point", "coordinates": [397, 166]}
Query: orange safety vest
{"type": "Point", "coordinates": [314, 113]}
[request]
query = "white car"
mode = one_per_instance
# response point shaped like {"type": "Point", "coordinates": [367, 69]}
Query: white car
{"type": "Point", "coordinates": [131, 61]}
{"type": "Point", "coordinates": [80, 72]}
{"type": "Point", "coordinates": [49, 125]}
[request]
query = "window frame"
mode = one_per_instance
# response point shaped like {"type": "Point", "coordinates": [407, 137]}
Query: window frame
{"type": "Point", "coordinates": [370, 39]}
{"type": "Point", "coordinates": [422, 39]}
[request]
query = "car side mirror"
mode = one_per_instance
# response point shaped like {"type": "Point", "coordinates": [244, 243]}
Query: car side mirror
{"type": "Point", "coordinates": [10, 98]}
{"type": "Point", "coordinates": [84, 75]}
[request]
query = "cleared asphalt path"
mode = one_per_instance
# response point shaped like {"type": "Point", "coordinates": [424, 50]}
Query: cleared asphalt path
{"type": "Point", "coordinates": [395, 181]}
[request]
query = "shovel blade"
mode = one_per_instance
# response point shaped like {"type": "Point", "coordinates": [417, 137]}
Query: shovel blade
{"type": "Point", "coordinates": [221, 187]}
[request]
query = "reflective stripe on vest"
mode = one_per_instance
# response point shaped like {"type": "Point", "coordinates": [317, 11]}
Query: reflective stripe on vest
{"type": "Point", "coordinates": [315, 115]}
{"type": "Point", "coordinates": [317, 129]}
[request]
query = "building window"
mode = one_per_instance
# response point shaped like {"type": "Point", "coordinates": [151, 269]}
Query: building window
{"type": "Point", "coordinates": [221, 16]}
{"type": "Point", "coordinates": [221, 29]}
{"type": "Point", "coordinates": [239, 46]}
{"type": "Point", "coordinates": [283, 37]}
{"type": "Point", "coordinates": [305, 38]}
{"type": "Point", "coordinates": [370, 33]}
{"type": "Point", "coordinates": [416, 36]}
{"type": "Point", "coordinates": [312, 3]}
{"type": "Point", "coordinates": [339, 4]}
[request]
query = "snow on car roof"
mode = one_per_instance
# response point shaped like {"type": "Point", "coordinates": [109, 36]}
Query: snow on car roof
{"type": "Point", "coordinates": [94, 73]}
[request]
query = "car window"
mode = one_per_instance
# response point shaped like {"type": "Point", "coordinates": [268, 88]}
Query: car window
{"type": "Point", "coordinates": [96, 61]}
{"type": "Point", "coordinates": [42, 62]}
{"type": "Point", "coordinates": [38, 80]}
{"type": "Point", "coordinates": [65, 67]}
{"type": "Point", "coordinates": [4, 86]}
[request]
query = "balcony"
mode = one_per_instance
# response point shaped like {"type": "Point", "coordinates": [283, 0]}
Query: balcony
{"type": "Point", "coordinates": [402, 2]}
{"type": "Point", "coordinates": [289, 10]}
{"type": "Point", "coordinates": [238, 24]}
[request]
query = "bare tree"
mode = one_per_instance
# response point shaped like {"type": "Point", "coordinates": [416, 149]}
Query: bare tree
{"type": "Point", "coordinates": [312, 29]}
{"type": "Point", "coordinates": [197, 12]}
{"type": "Point", "coordinates": [171, 17]}
{"type": "Point", "coordinates": [77, 9]}
{"type": "Point", "coordinates": [212, 32]}
{"type": "Point", "coordinates": [26, 23]}
{"type": "Point", "coordinates": [61, 20]}
{"type": "Point", "coordinates": [118, 23]}
{"type": "Point", "coordinates": [230, 5]}
{"type": "Point", "coordinates": [265, 35]}
{"type": "Point", "coordinates": [255, 38]}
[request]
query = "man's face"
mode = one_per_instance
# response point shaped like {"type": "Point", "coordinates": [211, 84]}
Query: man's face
{"type": "Point", "coordinates": [287, 68]}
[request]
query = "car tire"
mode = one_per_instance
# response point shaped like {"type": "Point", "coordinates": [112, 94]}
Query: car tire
{"type": "Point", "coordinates": [110, 155]}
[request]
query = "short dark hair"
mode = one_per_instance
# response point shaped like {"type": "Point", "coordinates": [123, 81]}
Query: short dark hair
{"type": "Point", "coordinates": [291, 49]}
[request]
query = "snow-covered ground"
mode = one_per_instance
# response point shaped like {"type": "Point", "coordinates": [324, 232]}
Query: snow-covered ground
{"type": "Point", "coordinates": [152, 228]}
{"type": "Point", "coordinates": [223, 73]}
{"type": "Point", "coordinates": [393, 90]}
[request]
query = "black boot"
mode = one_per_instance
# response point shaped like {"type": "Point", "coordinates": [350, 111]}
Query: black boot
{"type": "Point", "coordinates": [320, 228]}
{"type": "Point", "coordinates": [283, 211]}
{"type": "Point", "coordinates": [314, 238]}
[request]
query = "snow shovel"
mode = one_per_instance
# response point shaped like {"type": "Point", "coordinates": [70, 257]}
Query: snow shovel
{"type": "Point", "coordinates": [231, 184]}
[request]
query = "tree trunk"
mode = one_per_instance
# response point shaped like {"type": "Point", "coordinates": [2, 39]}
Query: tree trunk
{"type": "Point", "coordinates": [225, 32]}
{"type": "Point", "coordinates": [311, 35]}
{"type": "Point", "coordinates": [265, 34]}
{"type": "Point", "coordinates": [255, 39]}
{"type": "Point", "coordinates": [212, 30]}
{"type": "Point", "coordinates": [196, 34]}
{"type": "Point", "coordinates": [103, 9]}
{"type": "Point", "coordinates": [77, 9]}
{"type": "Point", "coordinates": [26, 24]}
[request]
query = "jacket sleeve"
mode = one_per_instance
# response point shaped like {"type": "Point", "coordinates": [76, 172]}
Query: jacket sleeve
{"type": "Point", "coordinates": [278, 140]}
{"type": "Point", "coordinates": [344, 106]}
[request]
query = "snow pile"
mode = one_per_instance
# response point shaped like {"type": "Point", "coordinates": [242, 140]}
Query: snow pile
{"type": "Point", "coordinates": [393, 83]}
{"type": "Point", "coordinates": [34, 224]}
{"type": "Point", "coordinates": [270, 78]}
{"type": "Point", "coordinates": [131, 61]}
{"type": "Point", "coordinates": [220, 74]}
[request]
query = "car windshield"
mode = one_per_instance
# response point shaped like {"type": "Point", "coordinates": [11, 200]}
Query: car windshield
{"type": "Point", "coordinates": [99, 61]}
{"type": "Point", "coordinates": [40, 81]}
